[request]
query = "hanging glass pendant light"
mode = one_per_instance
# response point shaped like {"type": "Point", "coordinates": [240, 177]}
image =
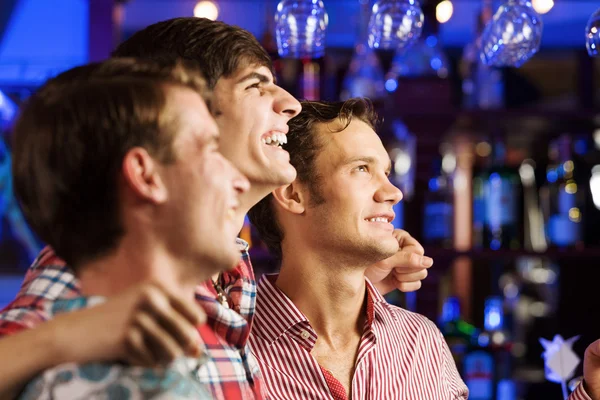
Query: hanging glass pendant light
{"type": "Point", "coordinates": [592, 34]}
{"type": "Point", "coordinates": [395, 24]}
{"type": "Point", "coordinates": [513, 35]}
{"type": "Point", "coordinates": [300, 27]}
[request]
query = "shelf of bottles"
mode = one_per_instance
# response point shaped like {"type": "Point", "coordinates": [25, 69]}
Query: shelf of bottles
{"type": "Point", "coordinates": [502, 189]}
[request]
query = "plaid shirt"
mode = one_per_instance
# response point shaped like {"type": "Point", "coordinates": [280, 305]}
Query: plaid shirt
{"type": "Point", "coordinates": [231, 371]}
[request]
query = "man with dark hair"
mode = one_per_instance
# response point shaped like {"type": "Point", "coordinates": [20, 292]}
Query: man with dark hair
{"type": "Point", "coordinates": [322, 331]}
{"type": "Point", "coordinates": [141, 196]}
{"type": "Point", "coordinates": [251, 112]}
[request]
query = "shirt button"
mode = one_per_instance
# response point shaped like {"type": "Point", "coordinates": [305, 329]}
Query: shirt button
{"type": "Point", "coordinates": [304, 334]}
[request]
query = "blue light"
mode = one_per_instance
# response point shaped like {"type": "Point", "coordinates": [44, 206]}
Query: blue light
{"type": "Point", "coordinates": [434, 185]}
{"type": "Point", "coordinates": [551, 176]}
{"type": "Point", "coordinates": [431, 41]}
{"type": "Point", "coordinates": [435, 63]}
{"type": "Point", "coordinates": [580, 146]}
{"type": "Point", "coordinates": [391, 85]}
{"type": "Point", "coordinates": [450, 310]}
{"type": "Point", "coordinates": [495, 178]}
{"type": "Point", "coordinates": [493, 314]}
{"type": "Point", "coordinates": [398, 221]}
{"type": "Point", "coordinates": [483, 340]}
{"type": "Point", "coordinates": [494, 244]}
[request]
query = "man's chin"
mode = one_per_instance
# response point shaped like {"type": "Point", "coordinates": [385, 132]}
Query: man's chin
{"type": "Point", "coordinates": [282, 173]}
{"type": "Point", "coordinates": [387, 250]}
{"type": "Point", "coordinates": [275, 178]}
{"type": "Point", "coordinates": [227, 261]}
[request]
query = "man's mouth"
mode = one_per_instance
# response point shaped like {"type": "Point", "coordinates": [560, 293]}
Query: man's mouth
{"type": "Point", "coordinates": [274, 139]}
{"type": "Point", "coordinates": [386, 220]}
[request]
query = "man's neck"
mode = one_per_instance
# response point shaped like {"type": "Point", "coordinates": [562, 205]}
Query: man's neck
{"type": "Point", "coordinates": [332, 296]}
{"type": "Point", "coordinates": [134, 262]}
{"type": "Point", "coordinates": [250, 198]}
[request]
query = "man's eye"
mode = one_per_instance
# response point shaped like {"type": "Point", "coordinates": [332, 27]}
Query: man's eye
{"type": "Point", "coordinates": [254, 86]}
{"type": "Point", "coordinates": [362, 168]}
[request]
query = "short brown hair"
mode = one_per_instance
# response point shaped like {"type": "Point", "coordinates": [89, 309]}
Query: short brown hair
{"type": "Point", "coordinates": [304, 145]}
{"type": "Point", "coordinates": [216, 48]}
{"type": "Point", "coordinates": [69, 143]}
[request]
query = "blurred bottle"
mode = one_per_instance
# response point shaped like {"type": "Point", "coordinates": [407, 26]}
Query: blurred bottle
{"type": "Point", "coordinates": [502, 190]}
{"type": "Point", "coordinates": [487, 367]}
{"type": "Point", "coordinates": [438, 218]}
{"type": "Point", "coordinates": [402, 151]}
{"type": "Point", "coordinates": [425, 58]}
{"type": "Point", "coordinates": [482, 86]}
{"type": "Point", "coordinates": [311, 80]}
{"type": "Point", "coordinates": [458, 333]}
{"type": "Point", "coordinates": [562, 198]}
{"type": "Point", "coordinates": [588, 173]}
{"type": "Point", "coordinates": [365, 76]}
{"type": "Point", "coordinates": [483, 162]}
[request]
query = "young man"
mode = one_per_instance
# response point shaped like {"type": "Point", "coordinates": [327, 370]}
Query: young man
{"type": "Point", "coordinates": [321, 330]}
{"type": "Point", "coordinates": [249, 109]}
{"type": "Point", "coordinates": [141, 195]}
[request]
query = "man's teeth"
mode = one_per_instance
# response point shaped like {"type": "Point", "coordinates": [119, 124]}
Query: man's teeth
{"type": "Point", "coordinates": [378, 219]}
{"type": "Point", "coordinates": [276, 139]}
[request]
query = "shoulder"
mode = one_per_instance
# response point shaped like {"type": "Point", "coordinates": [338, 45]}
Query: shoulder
{"type": "Point", "coordinates": [409, 320]}
{"type": "Point", "coordinates": [49, 277]}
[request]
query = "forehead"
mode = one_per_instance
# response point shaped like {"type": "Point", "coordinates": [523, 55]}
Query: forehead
{"type": "Point", "coordinates": [358, 139]}
{"type": "Point", "coordinates": [188, 111]}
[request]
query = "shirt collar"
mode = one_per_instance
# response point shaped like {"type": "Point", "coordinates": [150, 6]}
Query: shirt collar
{"type": "Point", "coordinates": [277, 315]}
{"type": "Point", "coordinates": [243, 246]}
{"type": "Point", "coordinates": [61, 306]}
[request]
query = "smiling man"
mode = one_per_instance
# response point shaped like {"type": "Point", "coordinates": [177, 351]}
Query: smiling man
{"type": "Point", "coordinates": [322, 330]}
{"type": "Point", "coordinates": [143, 196]}
{"type": "Point", "coordinates": [252, 113]}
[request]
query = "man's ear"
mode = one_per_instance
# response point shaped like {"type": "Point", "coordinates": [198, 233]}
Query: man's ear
{"type": "Point", "coordinates": [141, 173]}
{"type": "Point", "coordinates": [291, 198]}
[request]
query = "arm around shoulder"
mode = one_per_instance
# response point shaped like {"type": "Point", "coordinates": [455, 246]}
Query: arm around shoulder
{"type": "Point", "coordinates": [25, 354]}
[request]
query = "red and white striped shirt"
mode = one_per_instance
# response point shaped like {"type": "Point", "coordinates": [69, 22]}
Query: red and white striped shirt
{"type": "Point", "coordinates": [401, 355]}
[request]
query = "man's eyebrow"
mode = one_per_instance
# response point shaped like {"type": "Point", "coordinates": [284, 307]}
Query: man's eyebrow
{"type": "Point", "coordinates": [255, 75]}
{"type": "Point", "coordinates": [366, 160]}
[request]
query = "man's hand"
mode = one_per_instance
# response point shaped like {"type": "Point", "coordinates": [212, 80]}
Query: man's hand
{"type": "Point", "coordinates": [145, 325]}
{"type": "Point", "coordinates": [404, 270]}
{"type": "Point", "coordinates": [591, 370]}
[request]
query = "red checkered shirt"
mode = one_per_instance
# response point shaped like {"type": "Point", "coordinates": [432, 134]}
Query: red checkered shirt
{"type": "Point", "coordinates": [401, 355]}
{"type": "Point", "coordinates": [231, 371]}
